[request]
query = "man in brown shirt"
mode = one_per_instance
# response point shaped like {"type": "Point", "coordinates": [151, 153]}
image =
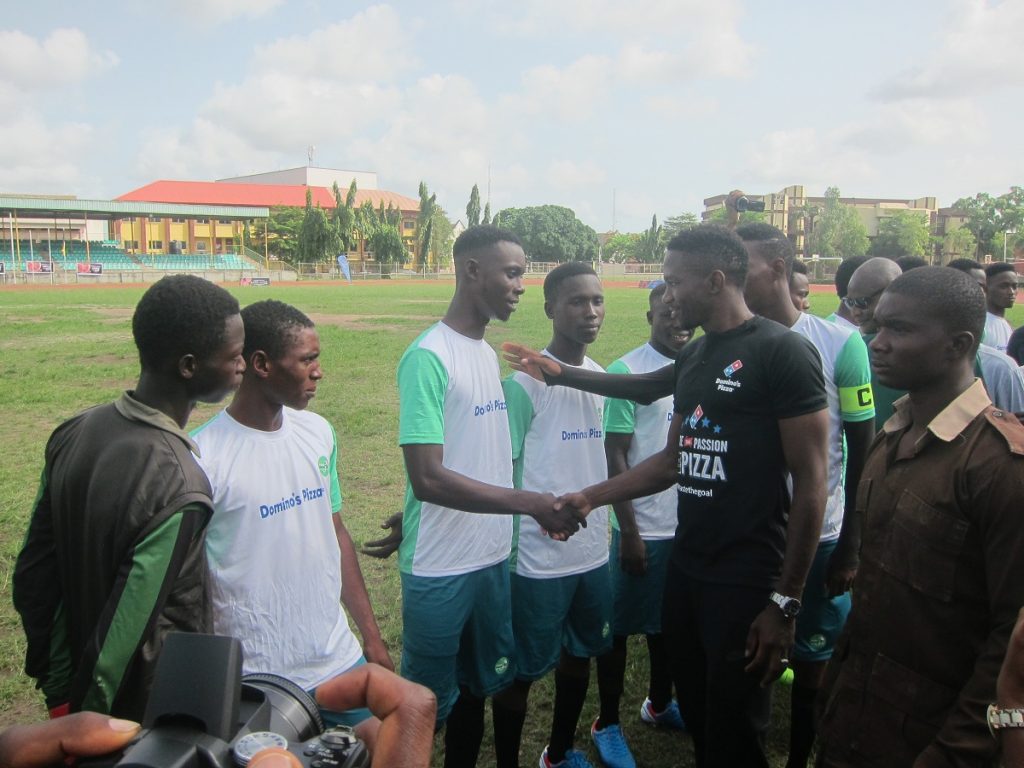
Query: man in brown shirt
{"type": "Point", "coordinates": [942, 558]}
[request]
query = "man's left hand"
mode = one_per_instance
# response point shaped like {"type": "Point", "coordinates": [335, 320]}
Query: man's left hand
{"type": "Point", "coordinates": [768, 644]}
{"type": "Point", "coordinates": [840, 573]}
{"type": "Point", "coordinates": [377, 653]}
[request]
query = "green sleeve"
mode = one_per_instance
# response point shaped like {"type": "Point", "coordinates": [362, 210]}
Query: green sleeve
{"type": "Point", "coordinates": [619, 415]}
{"type": "Point", "coordinates": [139, 597]}
{"type": "Point", "coordinates": [520, 417]}
{"type": "Point", "coordinates": [422, 383]}
{"type": "Point", "coordinates": [853, 380]}
{"type": "Point", "coordinates": [332, 473]}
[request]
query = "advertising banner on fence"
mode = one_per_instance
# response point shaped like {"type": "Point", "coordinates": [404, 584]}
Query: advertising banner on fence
{"type": "Point", "coordinates": [90, 269]}
{"type": "Point", "coordinates": [255, 281]}
{"type": "Point", "coordinates": [39, 266]}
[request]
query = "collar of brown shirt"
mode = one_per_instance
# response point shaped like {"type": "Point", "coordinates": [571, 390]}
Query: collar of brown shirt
{"type": "Point", "coordinates": [951, 421]}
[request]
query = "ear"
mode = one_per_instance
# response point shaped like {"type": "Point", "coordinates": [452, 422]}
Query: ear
{"type": "Point", "coordinates": [472, 268]}
{"type": "Point", "coordinates": [778, 267]}
{"type": "Point", "coordinates": [259, 363]}
{"type": "Point", "coordinates": [187, 366]}
{"type": "Point", "coordinates": [716, 281]}
{"type": "Point", "coordinates": [549, 310]}
{"type": "Point", "coordinates": [650, 317]}
{"type": "Point", "coordinates": [961, 344]}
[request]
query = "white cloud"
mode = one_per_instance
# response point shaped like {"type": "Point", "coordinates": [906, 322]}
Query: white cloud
{"type": "Point", "coordinates": [979, 51]}
{"type": "Point", "coordinates": [203, 150]}
{"type": "Point", "coordinates": [217, 12]}
{"type": "Point", "coordinates": [65, 56]}
{"type": "Point", "coordinates": [569, 175]}
{"type": "Point", "coordinates": [38, 157]}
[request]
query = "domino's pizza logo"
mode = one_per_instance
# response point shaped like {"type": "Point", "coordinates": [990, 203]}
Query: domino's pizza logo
{"type": "Point", "coordinates": [695, 417]}
{"type": "Point", "coordinates": [731, 369]}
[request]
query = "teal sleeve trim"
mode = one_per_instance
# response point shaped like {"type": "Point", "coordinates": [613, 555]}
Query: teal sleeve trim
{"type": "Point", "coordinates": [520, 417]}
{"type": "Point", "coordinates": [422, 384]}
{"type": "Point", "coordinates": [852, 376]}
{"type": "Point", "coordinates": [332, 473]}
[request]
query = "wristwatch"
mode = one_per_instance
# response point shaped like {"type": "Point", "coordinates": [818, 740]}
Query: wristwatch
{"type": "Point", "coordinates": [1003, 718]}
{"type": "Point", "coordinates": [789, 606]}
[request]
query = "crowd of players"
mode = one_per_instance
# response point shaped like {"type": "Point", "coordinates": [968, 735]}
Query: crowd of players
{"type": "Point", "coordinates": [775, 496]}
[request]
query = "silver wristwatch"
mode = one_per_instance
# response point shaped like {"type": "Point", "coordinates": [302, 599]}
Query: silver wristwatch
{"type": "Point", "coordinates": [1004, 718]}
{"type": "Point", "coordinates": [789, 606]}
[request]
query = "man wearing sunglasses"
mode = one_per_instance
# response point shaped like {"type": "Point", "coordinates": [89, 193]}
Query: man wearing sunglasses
{"type": "Point", "coordinates": [866, 286]}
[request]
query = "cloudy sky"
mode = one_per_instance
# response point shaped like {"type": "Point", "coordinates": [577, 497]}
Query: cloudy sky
{"type": "Point", "coordinates": [655, 104]}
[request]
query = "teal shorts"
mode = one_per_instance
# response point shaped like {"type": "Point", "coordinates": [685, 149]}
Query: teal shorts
{"type": "Point", "coordinates": [350, 717]}
{"type": "Point", "coordinates": [637, 599]}
{"type": "Point", "coordinates": [821, 618]}
{"type": "Point", "coordinates": [568, 612]}
{"type": "Point", "coordinates": [457, 631]}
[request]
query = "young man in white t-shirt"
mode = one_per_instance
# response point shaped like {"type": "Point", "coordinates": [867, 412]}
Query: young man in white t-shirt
{"type": "Point", "coordinates": [1000, 294]}
{"type": "Point", "coordinates": [561, 593]}
{"type": "Point", "coordinates": [642, 532]}
{"type": "Point", "coordinates": [457, 524]}
{"type": "Point", "coordinates": [279, 555]}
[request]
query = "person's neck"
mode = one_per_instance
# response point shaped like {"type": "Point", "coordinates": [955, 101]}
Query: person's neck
{"type": "Point", "coordinates": [997, 311]}
{"type": "Point", "coordinates": [661, 349]}
{"type": "Point", "coordinates": [168, 397]}
{"type": "Point", "coordinates": [251, 409]}
{"type": "Point", "coordinates": [566, 350]}
{"type": "Point", "coordinates": [928, 402]}
{"type": "Point", "coordinates": [464, 317]}
{"type": "Point", "coordinates": [731, 312]}
{"type": "Point", "coordinates": [781, 309]}
{"type": "Point", "coordinates": [844, 312]}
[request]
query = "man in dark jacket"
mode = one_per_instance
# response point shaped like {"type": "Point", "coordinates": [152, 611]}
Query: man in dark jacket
{"type": "Point", "coordinates": [114, 557]}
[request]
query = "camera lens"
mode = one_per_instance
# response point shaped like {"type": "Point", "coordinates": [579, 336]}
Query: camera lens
{"type": "Point", "coordinates": [294, 714]}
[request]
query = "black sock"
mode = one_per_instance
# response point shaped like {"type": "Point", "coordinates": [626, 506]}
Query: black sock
{"type": "Point", "coordinates": [463, 732]}
{"type": "Point", "coordinates": [509, 714]}
{"type": "Point", "coordinates": [611, 676]}
{"type": "Point", "coordinates": [801, 726]}
{"type": "Point", "coordinates": [660, 689]}
{"type": "Point", "coordinates": [570, 693]}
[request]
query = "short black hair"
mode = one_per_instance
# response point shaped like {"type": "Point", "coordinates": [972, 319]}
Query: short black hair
{"type": "Point", "coordinates": [563, 272]}
{"type": "Point", "coordinates": [965, 265]}
{"type": "Point", "coordinates": [271, 326]}
{"type": "Point", "coordinates": [481, 236]}
{"type": "Point", "coordinates": [771, 241]}
{"type": "Point", "coordinates": [844, 272]}
{"type": "Point", "coordinates": [713, 247]}
{"type": "Point", "coordinates": [998, 268]}
{"type": "Point", "coordinates": [948, 296]}
{"type": "Point", "coordinates": [799, 268]}
{"type": "Point", "coordinates": [907, 263]}
{"type": "Point", "coordinates": [657, 292]}
{"type": "Point", "coordinates": [180, 315]}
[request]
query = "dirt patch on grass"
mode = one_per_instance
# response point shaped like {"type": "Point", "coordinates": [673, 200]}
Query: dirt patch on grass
{"type": "Point", "coordinates": [370, 322]}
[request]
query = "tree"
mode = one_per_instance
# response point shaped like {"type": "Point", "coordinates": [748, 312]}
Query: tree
{"type": "Point", "coordinates": [675, 224]}
{"type": "Point", "coordinates": [442, 237]}
{"type": "Point", "coordinates": [386, 245]}
{"type": "Point", "coordinates": [721, 216]}
{"type": "Point", "coordinates": [425, 223]}
{"type": "Point", "coordinates": [487, 213]}
{"type": "Point", "coordinates": [344, 216]}
{"type": "Point", "coordinates": [988, 216]}
{"type": "Point", "coordinates": [839, 232]}
{"type": "Point", "coordinates": [905, 233]}
{"type": "Point", "coordinates": [280, 235]}
{"type": "Point", "coordinates": [958, 243]}
{"type": "Point", "coordinates": [620, 248]}
{"type": "Point", "coordinates": [649, 247]}
{"type": "Point", "coordinates": [473, 208]}
{"type": "Point", "coordinates": [551, 233]}
{"type": "Point", "coordinates": [318, 238]}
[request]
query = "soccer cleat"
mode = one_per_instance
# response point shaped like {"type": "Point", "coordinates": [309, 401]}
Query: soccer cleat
{"type": "Point", "coordinates": [670, 718]}
{"type": "Point", "coordinates": [573, 759]}
{"type": "Point", "coordinates": [611, 746]}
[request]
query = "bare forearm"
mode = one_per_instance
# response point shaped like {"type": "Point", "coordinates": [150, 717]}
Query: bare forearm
{"type": "Point", "coordinates": [353, 588]}
{"type": "Point", "coordinates": [451, 489]}
{"type": "Point", "coordinates": [802, 534]}
{"type": "Point", "coordinates": [654, 474]}
{"type": "Point", "coordinates": [642, 388]}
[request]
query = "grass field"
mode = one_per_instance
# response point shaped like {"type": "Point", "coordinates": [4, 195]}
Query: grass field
{"type": "Point", "coordinates": [68, 348]}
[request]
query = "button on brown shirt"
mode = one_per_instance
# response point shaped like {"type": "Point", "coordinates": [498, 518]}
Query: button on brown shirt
{"type": "Point", "coordinates": [941, 580]}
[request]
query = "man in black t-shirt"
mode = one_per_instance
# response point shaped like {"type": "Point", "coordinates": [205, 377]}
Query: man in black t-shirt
{"type": "Point", "coordinates": [749, 406]}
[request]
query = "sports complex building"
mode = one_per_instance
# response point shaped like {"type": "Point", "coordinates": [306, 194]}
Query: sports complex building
{"type": "Point", "coordinates": [200, 226]}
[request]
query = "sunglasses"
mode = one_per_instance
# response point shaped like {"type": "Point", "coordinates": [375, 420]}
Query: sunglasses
{"type": "Point", "coordinates": [862, 302]}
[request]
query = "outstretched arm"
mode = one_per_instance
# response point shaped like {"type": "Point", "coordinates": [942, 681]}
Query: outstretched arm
{"type": "Point", "coordinates": [642, 387]}
{"type": "Point", "coordinates": [433, 482]}
{"type": "Point", "coordinates": [356, 600]}
{"type": "Point", "coordinates": [632, 551]}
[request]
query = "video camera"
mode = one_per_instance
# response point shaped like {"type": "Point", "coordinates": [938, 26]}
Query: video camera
{"type": "Point", "coordinates": [202, 713]}
{"type": "Point", "coordinates": [744, 203]}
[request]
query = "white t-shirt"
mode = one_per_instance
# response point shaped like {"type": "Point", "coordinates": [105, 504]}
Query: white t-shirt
{"type": "Point", "coordinates": [997, 332]}
{"type": "Point", "coordinates": [844, 360]}
{"type": "Point", "coordinates": [272, 548]}
{"type": "Point", "coordinates": [449, 390]}
{"type": "Point", "coordinates": [656, 514]}
{"type": "Point", "coordinates": [558, 447]}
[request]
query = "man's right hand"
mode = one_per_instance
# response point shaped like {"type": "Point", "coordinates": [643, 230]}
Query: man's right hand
{"type": "Point", "coordinates": [632, 554]}
{"type": "Point", "coordinates": [560, 518]}
{"type": "Point", "coordinates": [385, 547]}
{"type": "Point", "coordinates": [530, 361]}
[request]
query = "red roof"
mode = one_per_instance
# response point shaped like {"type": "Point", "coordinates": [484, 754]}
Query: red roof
{"type": "Point", "coordinates": [225, 193]}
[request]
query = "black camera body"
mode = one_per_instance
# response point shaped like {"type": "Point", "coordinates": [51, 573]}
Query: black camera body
{"type": "Point", "coordinates": [744, 203]}
{"type": "Point", "coordinates": [202, 713]}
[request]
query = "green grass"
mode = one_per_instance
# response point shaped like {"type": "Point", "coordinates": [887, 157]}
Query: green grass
{"type": "Point", "coordinates": [66, 349]}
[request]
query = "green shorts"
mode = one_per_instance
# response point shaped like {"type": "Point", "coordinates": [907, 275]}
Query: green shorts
{"type": "Point", "coordinates": [349, 717]}
{"type": "Point", "coordinates": [637, 599]}
{"type": "Point", "coordinates": [457, 631]}
{"type": "Point", "coordinates": [821, 617]}
{"type": "Point", "coordinates": [568, 612]}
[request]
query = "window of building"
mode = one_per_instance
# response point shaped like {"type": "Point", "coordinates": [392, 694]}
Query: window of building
{"type": "Point", "coordinates": [409, 224]}
{"type": "Point", "coordinates": [178, 220]}
{"type": "Point", "coordinates": [202, 221]}
{"type": "Point", "coordinates": [131, 245]}
{"type": "Point", "coordinates": [156, 245]}
{"type": "Point", "coordinates": [201, 245]}
{"type": "Point", "coordinates": [223, 221]}
{"type": "Point", "coordinates": [156, 219]}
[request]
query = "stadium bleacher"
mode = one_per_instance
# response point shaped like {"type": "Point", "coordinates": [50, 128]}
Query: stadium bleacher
{"type": "Point", "coordinates": [68, 254]}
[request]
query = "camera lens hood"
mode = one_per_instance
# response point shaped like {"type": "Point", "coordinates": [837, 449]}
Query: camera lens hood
{"type": "Point", "coordinates": [295, 713]}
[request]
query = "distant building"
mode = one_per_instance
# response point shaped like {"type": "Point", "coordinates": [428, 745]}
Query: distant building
{"type": "Point", "coordinates": [794, 212]}
{"type": "Point", "coordinates": [309, 176]}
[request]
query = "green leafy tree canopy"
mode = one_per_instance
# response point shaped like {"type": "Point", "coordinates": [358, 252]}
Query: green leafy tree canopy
{"type": "Point", "coordinates": [551, 233]}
